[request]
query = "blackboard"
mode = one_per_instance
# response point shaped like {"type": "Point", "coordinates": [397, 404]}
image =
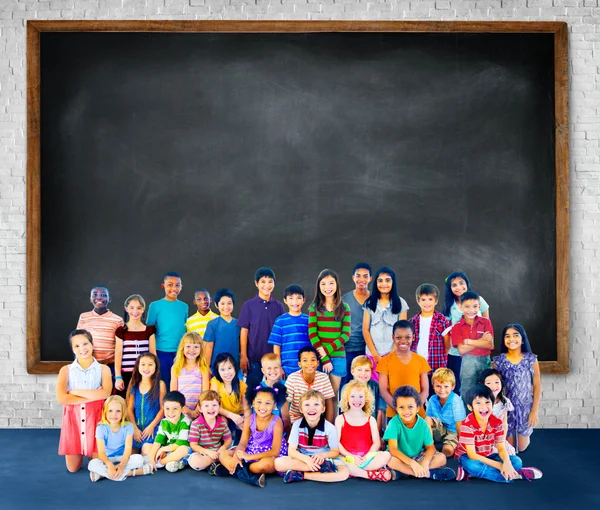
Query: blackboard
{"type": "Point", "coordinates": [214, 153]}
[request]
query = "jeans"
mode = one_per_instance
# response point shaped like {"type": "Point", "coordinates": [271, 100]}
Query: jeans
{"type": "Point", "coordinates": [97, 466]}
{"type": "Point", "coordinates": [166, 362]}
{"type": "Point", "coordinates": [349, 359]}
{"type": "Point", "coordinates": [254, 375]}
{"type": "Point", "coordinates": [470, 370]}
{"type": "Point", "coordinates": [478, 469]}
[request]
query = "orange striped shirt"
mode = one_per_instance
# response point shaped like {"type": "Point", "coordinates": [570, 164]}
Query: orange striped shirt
{"type": "Point", "coordinates": [102, 327]}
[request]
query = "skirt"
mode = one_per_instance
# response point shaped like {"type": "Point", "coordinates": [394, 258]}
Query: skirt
{"type": "Point", "coordinates": [78, 429]}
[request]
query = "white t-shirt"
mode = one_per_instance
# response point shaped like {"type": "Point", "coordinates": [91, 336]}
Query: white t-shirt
{"type": "Point", "coordinates": [423, 345]}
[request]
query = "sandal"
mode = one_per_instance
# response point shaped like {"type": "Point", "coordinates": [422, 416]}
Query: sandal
{"type": "Point", "coordinates": [147, 469]}
{"type": "Point", "coordinates": [382, 475]}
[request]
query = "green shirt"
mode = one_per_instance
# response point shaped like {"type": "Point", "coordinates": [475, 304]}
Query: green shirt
{"type": "Point", "coordinates": [174, 433]}
{"type": "Point", "coordinates": [411, 442]}
{"type": "Point", "coordinates": [327, 331]}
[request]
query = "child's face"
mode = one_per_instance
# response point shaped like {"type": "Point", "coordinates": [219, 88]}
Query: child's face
{"type": "Point", "coordinates": [114, 414]}
{"type": "Point", "coordinates": [427, 303]}
{"type": "Point", "coordinates": [493, 383]}
{"type": "Point", "coordinates": [263, 404]}
{"type": "Point", "coordinates": [209, 408]}
{"type": "Point", "coordinates": [312, 409]}
{"type": "Point", "coordinates": [328, 286]}
{"type": "Point", "coordinates": [227, 371]}
{"type": "Point", "coordinates": [470, 308]}
{"type": "Point", "coordinates": [458, 286]}
{"type": "Point", "coordinates": [482, 408]}
{"type": "Point", "coordinates": [271, 370]}
{"type": "Point", "coordinates": [172, 286]}
{"type": "Point", "coordinates": [147, 367]}
{"type": "Point", "coordinates": [407, 408]}
{"type": "Point", "coordinates": [308, 362]}
{"type": "Point", "coordinates": [135, 310]}
{"type": "Point", "coordinates": [99, 297]}
{"type": "Point", "coordinates": [225, 306]}
{"type": "Point", "coordinates": [513, 339]}
{"type": "Point", "coordinates": [172, 411]}
{"type": "Point", "coordinates": [294, 303]}
{"type": "Point", "coordinates": [361, 279]}
{"type": "Point", "coordinates": [265, 285]}
{"type": "Point", "coordinates": [442, 389]}
{"type": "Point", "coordinates": [362, 373]}
{"type": "Point", "coordinates": [82, 347]}
{"type": "Point", "coordinates": [202, 301]}
{"type": "Point", "coordinates": [384, 283]}
{"type": "Point", "coordinates": [403, 338]}
{"type": "Point", "coordinates": [192, 351]}
{"type": "Point", "coordinates": [356, 399]}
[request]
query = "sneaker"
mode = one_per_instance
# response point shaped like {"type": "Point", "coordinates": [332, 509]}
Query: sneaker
{"type": "Point", "coordinates": [328, 467]}
{"type": "Point", "coordinates": [397, 475]}
{"type": "Point", "coordinates": [530, 473]}
{"type": "Point", "coordinates": [217, 469]}
{"type": "Point", "coordinates": [442, 474]}
{"type": "Point", "coordinates": [94, 477]}
{"type": "Point", "coordinates": [461, 474]}
{"type": "Point", "coordinates": [293, 476]}
{"type": "Point", "coordinates": [243, 474]}
{"type": "Point", "coordinates": [174, 466]}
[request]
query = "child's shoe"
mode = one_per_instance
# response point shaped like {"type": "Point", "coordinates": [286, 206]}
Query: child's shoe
{"type": "Point", "coordinates": [442, 474]}
{"type": "Point", "coordinates": [529, 473]}
{"type": "Point", "coordinates": [293, 476]}
{"type": "Point", "coordinates": [382, 475]}
{"type": "Point", "coordinates": [217, 469]}
{"type": "Point", "coordinates": [397, 475]}
{"type": "Point", "coordinates": [174, 466]}
{"type": "Point", "coordinates": [243, 474]}
{"type": "Point", "coordinates": [328, 467]}
{"type": "Point", "coordinates": [94, 477]}
{"type": "Point", "coordinates": [461, 474]}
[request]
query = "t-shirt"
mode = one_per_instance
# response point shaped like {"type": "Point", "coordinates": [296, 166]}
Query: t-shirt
{"type": "Point", "coordinates": [356, 341]}
{"type": "Point", "coordinates": [102, 328]}
{"type": "Point", "coordinates": [411, 441]}
{"type": "Point", "coordinates": [134, 344]}
{"type": "Point", "coordinates": [456, 314]}
{"type": "Point", "coordinates": [462, 330]}
{"type": "Point", "coordinates": [291, 334]}
{"type": "Point", "coordinates": [329, 332]}
{"type": "Point", "coordinates": [174, 433]}
{"type": "Point", "coordinates": [211, 439]}
{"type": "Point", "coordinates": [400, 374]}
{"type": "Point", "coordinates": [296, 386]}
{"type": "Point", "coordinates": [169, 319]}
{"type": "Point", "coordinates": [484, 442]}
{"type": "Point", "coordinates": [423, 340]}
{"type": "Point", "coordinates": [225, 336]}
{"type": "Point", "coordinates": [311, 441]}
{"type": "Point", "coordinates": [114, 442]}
{"type": "Point", "coordinates": [198, 322]}
{"type": "Point", "coordinates": [230, 401]}
{"type": "Point", "coordinates": [258, 317]}
{"type": "Point", "coordinates": [451, 412]}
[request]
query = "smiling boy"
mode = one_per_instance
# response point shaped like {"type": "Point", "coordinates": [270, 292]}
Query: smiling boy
{"type": "Point", "coordinates": [203, 316]}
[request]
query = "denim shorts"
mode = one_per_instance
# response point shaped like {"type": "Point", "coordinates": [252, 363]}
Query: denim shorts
{"type": "Point", "coordinates": [339, 367]}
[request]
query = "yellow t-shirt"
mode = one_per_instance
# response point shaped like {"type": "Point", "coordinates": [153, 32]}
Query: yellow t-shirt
{"type": "Point", "coordinates": [230, 402]}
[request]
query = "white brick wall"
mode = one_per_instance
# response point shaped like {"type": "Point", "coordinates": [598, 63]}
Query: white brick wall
{"type": "Point", "coordinates": [567, 401]}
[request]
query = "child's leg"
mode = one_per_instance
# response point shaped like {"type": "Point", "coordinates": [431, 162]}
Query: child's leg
{"type": "Point", "coordinates": [439, 460]}
{"type": "Point", "coordinates": [175, 455]}
{"type": "Point", "coordinates": [523, 442]}
{"type": "Point", "coordinates": [398, 465]}
{"type": "Point", "coordinates": [480, 470]}
{"type": "Point", "coordinates": [133, 465]}
{"type": "Point", "coordinates": [380, 460]}
{"type": "Point", "coordinates": [73, 462]}
{"type": "Point", "coordinates": [229, 460]}
{"type": "Point", "coordinates": [98, 467]}
{"type": "Point", "coordinates": [341, 475]}
{"type": "Point", "coordinates": [283, 464]}
{"type": "Point", "coordinates": [199, 462]}
{"type": "Point", "coordinates": [335, 384]}
{"type": "Point", "coordinates": [265, 465]}
{"type": "Point", "coordinates": [146, 447]}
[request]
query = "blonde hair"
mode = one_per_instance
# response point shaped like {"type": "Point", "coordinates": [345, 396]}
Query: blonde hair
{"type": "Point", "coordinates": [270, 356]}
{"type": "Point", "coordinates": [312, 394]}
{"type": "Point", "coordinates": [361, 361]}
{"type": "Point", "coordinates": [444, 375]}
{"type": "Point", "coordinates": [121, 401]}
{"type": "Point", "coordinates": [209, 395]}
{"type": "Point", "coordinates": [357, 385]}
{"type": "Point", "coordinates": [191, 337]}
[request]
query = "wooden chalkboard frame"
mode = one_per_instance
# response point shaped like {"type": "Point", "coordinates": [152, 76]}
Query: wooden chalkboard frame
{"type": "Point", "coordinates": [34, 238]}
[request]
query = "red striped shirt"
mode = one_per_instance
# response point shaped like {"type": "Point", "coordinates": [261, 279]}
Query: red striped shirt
{"type": "Point", "coordinates": [484, 442]}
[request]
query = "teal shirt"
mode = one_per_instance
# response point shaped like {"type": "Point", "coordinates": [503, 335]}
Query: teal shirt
{"type": "Point", "coordinates": [411, 442]}
{"type": "Point", "coordinates": [169, 319]}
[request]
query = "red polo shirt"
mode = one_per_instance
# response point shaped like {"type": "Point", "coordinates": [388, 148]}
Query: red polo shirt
{"type": "Point", "coordinates": [461, 331]}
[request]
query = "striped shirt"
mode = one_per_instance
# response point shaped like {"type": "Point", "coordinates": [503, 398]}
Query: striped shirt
{"type": "Point", "coordinates": [134, 344]}
{"type": "Point", "coordinates": [174, 433]}
{"type": "Point", "coordinates": [208, 438]}
{"type": "Point", "coordinates": [484, 442]}
{"type": "Point", "coordinates": [189, 382]}
{"type": "Point", "coordinates": [449, 413]}
{"type": "Point", "coordinates": [198, 322]}
{"type": "Point", "coordinates": [324, 330]}
{"type": "Point", "coordinates": [311, 441]}
{"type": "Point", "coordinates": [80, 378]}
{"type": "Point", "coordinates": [102, 327]}
{"type": "Point", "coordinates": [297, 386]}
{"type": "Point", "coordinates": [291, 334]}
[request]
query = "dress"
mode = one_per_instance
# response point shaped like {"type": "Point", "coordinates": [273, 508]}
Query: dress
{"type": "Point", "coordinates": [518, 381]}
{"type": "Point", "coordinates": [262, 441]}
{"type": "Point", "coordinates": [145, 410]}
{"type": "Point", "coordinates": [498, 411]}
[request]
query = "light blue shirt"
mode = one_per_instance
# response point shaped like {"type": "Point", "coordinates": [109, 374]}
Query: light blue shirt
{"type": "Point", "coordinates": [451, 412]}
{"type": "Point", "coordinates": [80, 378]}
{"type": "Point", "coordinates": [169, 319]}
{"type": "Point", "coordinates": [114, 442]}
{"type": "Point", "coordinates": [456, 314]}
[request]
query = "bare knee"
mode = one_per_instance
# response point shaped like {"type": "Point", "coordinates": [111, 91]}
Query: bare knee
{"type": "Point", "coordinates": [73, 463]}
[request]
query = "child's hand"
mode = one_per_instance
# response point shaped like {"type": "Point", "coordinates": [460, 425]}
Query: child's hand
{"type": "Point", "coordinates": [358, 460]}
{"type": "Point", "coordinates": [119, 384]}
{"type": "Point", "coordinates": [147, 433]}
{"type": "Point", "coordinates": [138, 435]}
{"type": "Point", "coordinates": [152, 463]}
{"type": "Point", "coordinates": [487, 336]}
{"type": "Point", "coordinates": [214, 455]}
{"type": "Point", "coordinates": [327, 367]}
{"type": "Point", "coordinates": [377, 358]}
{"type": "Point", "coordinates": [508, 471]}
{"type": "Point", "coordinates": [241, 455]}
{"type": "Point", "coordinates": [418, 470]}
{"type": "Point", "coordinates": [119, 472]}
{"type": "Point", "coordinates": [322, 352]}
{"type": "Point", "coordinates": [533, 418]}
{"type": "Point", "coordinates": [239, 421]}
{"type": "Point", "coordinates": [312, 464]}
{"type": "Point", "coordinates": [244, 364]}
{"type": "Point", "coordinates": [112, 470]}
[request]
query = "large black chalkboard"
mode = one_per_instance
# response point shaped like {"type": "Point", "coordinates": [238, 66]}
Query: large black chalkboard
{"type": "Point", "coordinates": [212, 154]}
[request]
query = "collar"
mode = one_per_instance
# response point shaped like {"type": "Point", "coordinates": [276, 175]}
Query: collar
{"type": "Point", "coordinates": [477, 320]}
{"type": "Point", "coordinates": [79, 367]}
{"type": "Point", "coordinates": [320, 426]}
{"type": "Point", "coordinates": [261, 300]}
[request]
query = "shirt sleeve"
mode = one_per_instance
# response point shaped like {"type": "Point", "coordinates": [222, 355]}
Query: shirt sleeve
{"type": "Point", "coordinates": [429, 410]}
{"type": "Point", "coordinates": [183, 436]}
{"type": "Point", "coordinates": [244, 317]}
{"type": "Point", "coordinates": [458, 409]}
{"type": "Point", "coordinates": [382, 366]}
{"type": "Point", "coordinates": [466, 434]}
{"type": "Point", "coordinates": [119, 332]}
{"type": "Point", "coordinates": [161, 437]}
{"type": "Point", "coordinates": [294, 433]}
{"type": "Point", "coordinates": [80, 323]}
{"type": "Point", "coordinates": [313, 335]}
{"type": "Point", "coordinates": [426, 432]}
{"type": "Point", "coordinates": [405, 306]}
{"type": "Point", "coordinates": [327, 388]}
{"type": "Point", "coordinates": [456, 335]}
{"type": "Point", "coordinates": [151, 321]}
{"type": "Point", "coordinates": [289, 386]}
{"type": "Point", "coordinates": [276, 336]}
{"type": "Point", "coordinates": [209, 334]}
{"type": "Point", "coordinates": [332, 437]}
{"type": "Point", "coordinates": [391, 431]}
{"type": "Point", "coordinates": [194, 432]}
{"type": "Point", "coordinates": [129, 429]}
{"type": "Point", "coordinates": [483, 304]}
{"type": "Point", "coordinates": [226, 431]}
{"type": "Point", "coordinates": [425, 367]}
{"type": "Point", "coordinates": [101, 432]}
{"type": "Point", "coordinates": [488, 327]}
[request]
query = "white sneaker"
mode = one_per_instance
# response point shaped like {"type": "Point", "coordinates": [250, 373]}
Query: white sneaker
{"type": "Point", "coordinates": [94, 477]}
{"type": "Point", "coordinates": [174, 466]}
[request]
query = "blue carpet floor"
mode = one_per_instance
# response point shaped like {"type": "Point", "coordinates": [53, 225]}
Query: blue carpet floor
{"type": "Point", "coordinates": [32, 475]}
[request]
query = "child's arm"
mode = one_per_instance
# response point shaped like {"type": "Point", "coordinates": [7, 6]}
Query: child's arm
{"type": "Point", "coordinates": [507, 469]}
{"type": "Point", "coordinates": [537, 391]}
{"type": "Point", "coordinates": [275, 446]}
{"type": "Point", "coordinates": [119, 384]}
{"type": "Point", "coordinates": [339, 425]}
{"type": "Point", "coordinates": [375, 437]}
{"type": "Point", "coordinates": [329, 410]}
{"type": "Point", "coordinates": [208, 351]}
{"type": "Point", "coordinates": [205, 380]}
{"type": "Point", "coordinates": [63, 396]}
{"type": "Point", "coordinates": [366, 330]}
{"type": "Point", "coordinates": [418, 470]}
{"type": "Point", "coordinates": [308, 460]}
{"type": "Point", "coordinates": [424, 387]}
{"type": "Point", "coordinates": [429, 453]}
{"type": "Point", "coordinates": [152, 344]}
{"type": "Point", "coordinates": [244, 363]}
{"type": "Point", "coordinates": [137, 433]}
{"type": "Point", "coordinates": [112, 469]}
{"type": "Point", "coordinates": [313, 334]}
{"type": "Point", "coordinates": [384, 391]}
{"type": "Point", "coordinates": [126, 455]}
{"type": "Point", "coordinates": [99, 394]}
{"type": "Point", "coordinates": [447, 343]}
{"type": "Point", "coordinates": [149, 430]}
{"type": "Point", "coordinates": [174, 377]}
{"type": "Point", "coordinates": [473, 455]}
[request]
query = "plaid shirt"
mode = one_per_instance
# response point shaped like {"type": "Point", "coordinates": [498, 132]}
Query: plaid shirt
{"type": "Point", "coordinates": [437, 357]}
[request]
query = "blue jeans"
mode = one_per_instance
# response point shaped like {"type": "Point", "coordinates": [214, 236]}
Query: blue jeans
{"type": "Point", "coordinates": [470, 370]}
{"type": "Point", "coordinates": [349, 359]}
{"type": "Point", "coordinates": [478, 469]}
{"type": "Point", "coordinates": [339, 367]}
{"type": "Point", "coordinates": [454, 363]}
{"type": "Point", "coordinates": [166, 362]}
{"type": "Point", "coordinates": [254, 375]}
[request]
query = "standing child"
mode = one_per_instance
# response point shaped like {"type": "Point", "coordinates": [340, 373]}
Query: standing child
{"type": "Point", "coordinates": [256, 322]}
{"type": "Point", "coordinates": [190, 374]}
{"type": "Point", "coordinates": [359, 434]}
{"type": "Point", "coordinates": [199, 321]}
{"type": "Point", "coordinates": [329, 329]}
{"type": "Point", "coordinates": [410, 442]}
{"type": "Point", "coordinates": [222, 334]}
{"type": "Point", "coordinates": [290, 330]}
{"type": "Point", "coordinates": [81, 388]}
{"type": "Point", "coordinates": [457, 284]}
{"type": "Point", "coordinates": [261, 443]}
{"type": "Point", "coordinates": [168, 315]}
{"type": "Point", "coordinates": [502, 404]}
{"type": "Point", "coordinates": [313, 445]}
{"type": "Point", "coordinates": [144, 396]}
{"type": "Point", "coordinates": [132, 339]}
{"type": "Point", "coordinates": [114, 436]}
{"type": "Point", "coordinates": [481, 452]}
{"type": "Point", "coordinates": [521, 372]}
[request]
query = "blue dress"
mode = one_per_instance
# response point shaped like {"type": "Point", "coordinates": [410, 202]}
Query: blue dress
{"type": "Point", "coordinates": [145, 410]}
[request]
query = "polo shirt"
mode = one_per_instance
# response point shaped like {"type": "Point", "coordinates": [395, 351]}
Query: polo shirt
{"type": "Point", "coordinates": [258, 317]}
{"type": "Point", "coordinates": [297, 386]}
{"type": "Point", "coordinates": [449, 413]}
{"type": "Point", "coordinates": [174, 433]}
{"type": "Point", "coordinates": [198, 322]}
{"type": "Point", "coordinates": [102, 328]}
{"type": "Point", "coordinates": [484, 442]}
{"type": "Point", "coordinates": [310, 441]}
{"type": "Point", "coordinates": [291, 334]}
{"type": "Point", "coordinates": [461, 331]}
{"type": "Point", "coordinates": [208, 438]}
{"type": "Point", "coordinates": [456, 313]}
{"type": "Point", "coordinates": [169, 319]}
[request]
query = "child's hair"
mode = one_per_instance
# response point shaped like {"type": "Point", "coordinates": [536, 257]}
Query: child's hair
{"type": "Point", "coordinates": [363, 265]}
{"type": "Point", "coordinates": [525, 345]}
{"type": "Point", "coordinates": [100, 287]}
{"type": "Point", "coordinates": [121, 401]}
{"type": "Point", "coordinates": [403, 324]}
{"type": "Point", "coordinates": [361, 361]}
{"type": "Point", "coordinates": [174, 396]}
{"type": "Point", "coordinates": [407, 392]}
{"type": "Point", "coordinates": [293, 289]}
{"type": "Point", "coordinates": [201, 289]}
{"type": "Point", "coordinates": [270, 356]}
{"type": "Point", "coordinates": [86, 333]}
{"type": "Point", "coordinates": [140, 300]}
{"type": "Point", "coordinates": [369, 397]}
{"type": "Point", "coordinates": [221, 358]}
{"type": "Point", "coordinates": [479, 390]}
{"type": "Point", "coordinates": [312, 394]}
{"type": "Point", "coordinates": [208, 395]}
{"type": "Point", "coordinates": [492, 371]}
{"type": "Point", "coordinates": [172, 274]}
{"type": "Point", "coordinates": [191, 337]}
{"type": "Point", "coordinates": [449, 297]}
{"type": "Point", "coordinates": [319, 300]}
{"type": "Point", "coordinates": [371, 302]}
{"type": "Point", "coordinates": [252, 392]}
{"type": "Point", "coordinates": [307, 348]}
{"type": "Point", "coordinates": [444, 375]}
{"type": "Point", "coordinates": [224, 293]}
{"type": "Point", "coordinates": [427, 289]}
{"type": "Point", "coordinates": [136, 377]}
{"type": "Point", "coordinates": [468, 296]}
{"type": "Point", "coordinates": [263, 272]}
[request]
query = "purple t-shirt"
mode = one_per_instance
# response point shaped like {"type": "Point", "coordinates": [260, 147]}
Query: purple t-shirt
{"type": "Point", "coordinates": [258, 316]}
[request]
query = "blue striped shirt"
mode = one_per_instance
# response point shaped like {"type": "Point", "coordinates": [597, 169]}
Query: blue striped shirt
{"type": "Point", "coordinates": [291, 334]}
{"type": "Point", "coordinates": [451, 412]}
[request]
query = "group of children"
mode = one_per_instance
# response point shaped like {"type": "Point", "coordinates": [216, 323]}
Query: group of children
{"type": "Point", "coordinates": [182, 398]}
